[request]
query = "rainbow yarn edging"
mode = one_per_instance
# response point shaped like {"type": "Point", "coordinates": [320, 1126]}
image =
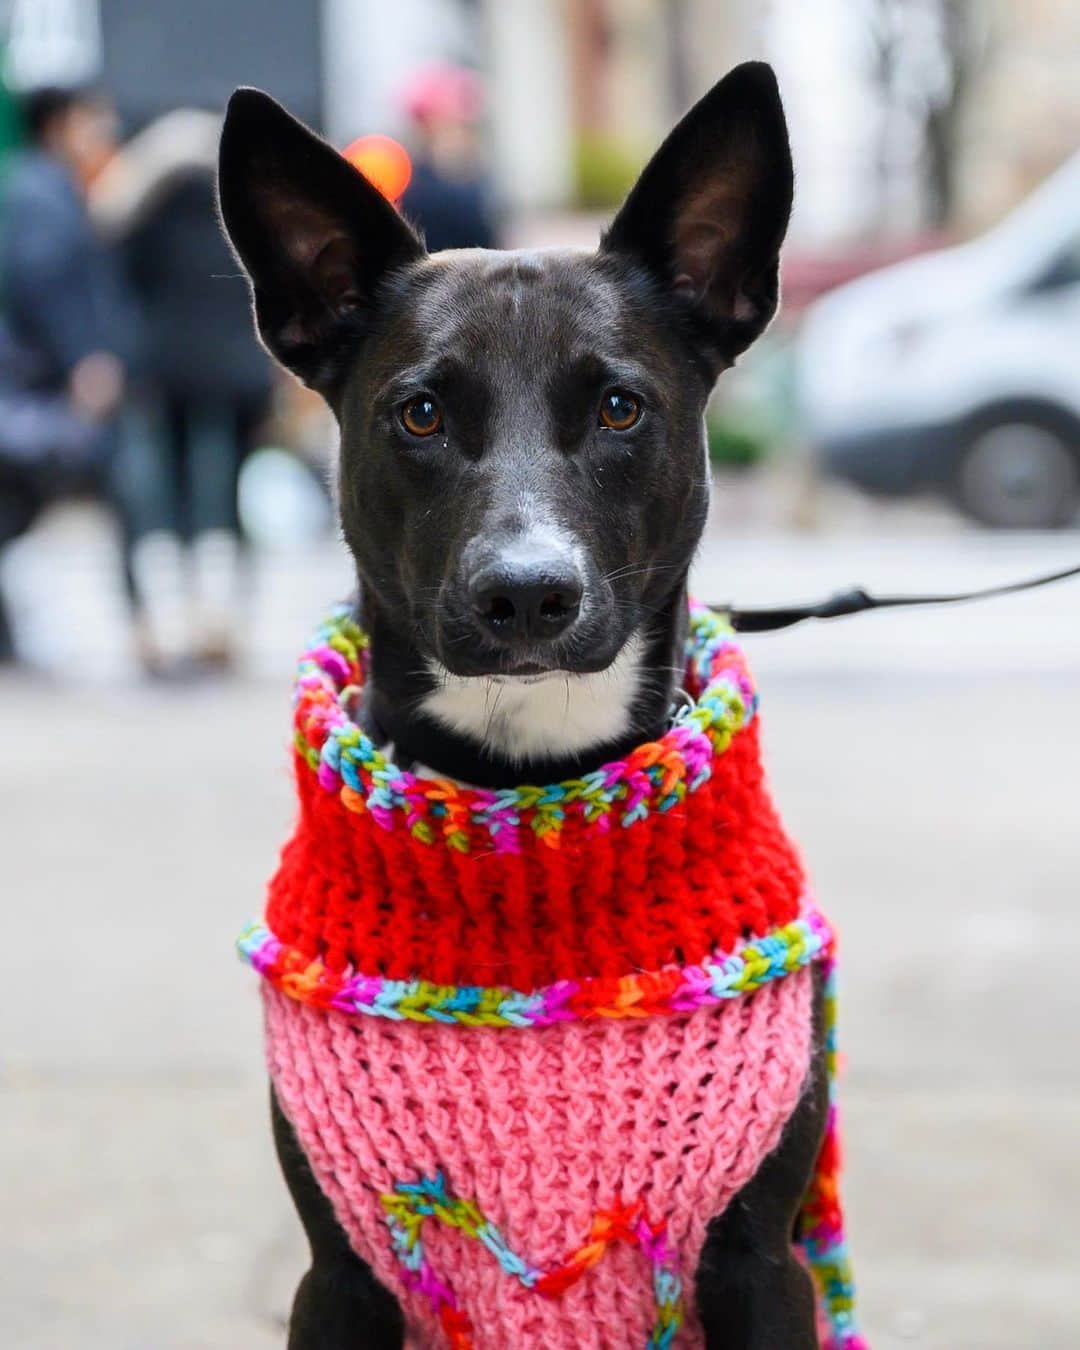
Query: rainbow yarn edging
{"type": "Point", "coordinates": [821, 1218]}
{"type": "Point", "coordinates": [675, 989]}
{"type": "Point", "coordinates": [653, 777]}
{"type": "Point", "coordinates": [411, 1203]}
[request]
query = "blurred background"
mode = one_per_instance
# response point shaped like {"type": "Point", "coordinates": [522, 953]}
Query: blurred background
{"type": "Point", "coordinates": [910, 423]}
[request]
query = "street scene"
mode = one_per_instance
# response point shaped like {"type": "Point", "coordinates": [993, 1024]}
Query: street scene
{"type": "Point", "coordinates": [923, 759]}
{"type": "Point", "coordinates": [910, 424]}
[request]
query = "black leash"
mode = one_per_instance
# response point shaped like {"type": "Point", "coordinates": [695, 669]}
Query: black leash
{"type": "Point", "coordinates": [857, 601]}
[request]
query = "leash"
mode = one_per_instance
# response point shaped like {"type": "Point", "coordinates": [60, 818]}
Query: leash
{"type": "Point", "coordinates": [858, 601]}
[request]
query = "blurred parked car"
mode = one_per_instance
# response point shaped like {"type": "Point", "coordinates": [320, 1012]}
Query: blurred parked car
{"type": "Point", "coordinates": [958, 371]}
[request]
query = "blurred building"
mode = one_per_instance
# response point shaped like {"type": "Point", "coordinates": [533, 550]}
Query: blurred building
{"type": "Point", "coordinates": [906, 115]}
{"type": "Point", "coordinates": [1023, 108]}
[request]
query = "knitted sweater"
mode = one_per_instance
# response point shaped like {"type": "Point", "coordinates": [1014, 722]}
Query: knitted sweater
{"type": "Point", "coordinates": [531, 1041]}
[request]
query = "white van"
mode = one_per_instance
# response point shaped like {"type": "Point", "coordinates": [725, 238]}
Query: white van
{"type": "Point", "coordinates": [959, 370]}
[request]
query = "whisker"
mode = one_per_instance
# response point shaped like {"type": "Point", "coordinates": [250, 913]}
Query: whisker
{"type": "Point", "coordinates": [494, 709]}
{"type": "Point", "coordinates": [635, 569]}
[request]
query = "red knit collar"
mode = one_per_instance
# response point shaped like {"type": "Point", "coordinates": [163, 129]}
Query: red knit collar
{"type": "Point", "coordinates": [660, 860]}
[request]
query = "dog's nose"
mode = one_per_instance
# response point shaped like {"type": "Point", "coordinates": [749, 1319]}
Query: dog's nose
{"type": "Point", "coordinates": [530, 601]}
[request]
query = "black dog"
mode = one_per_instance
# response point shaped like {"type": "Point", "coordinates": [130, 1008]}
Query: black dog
{"type": "Point", "coordinates": [523, 483]}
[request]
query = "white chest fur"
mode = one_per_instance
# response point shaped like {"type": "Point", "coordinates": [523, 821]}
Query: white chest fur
{"type": "Point", "coordinates": [546, 717]}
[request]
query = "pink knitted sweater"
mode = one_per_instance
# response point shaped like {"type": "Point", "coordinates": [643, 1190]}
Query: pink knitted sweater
{"type": "Point", "coordinates": [533, 1165]}
{"type": "Point", "coordinates": [543, 1131]}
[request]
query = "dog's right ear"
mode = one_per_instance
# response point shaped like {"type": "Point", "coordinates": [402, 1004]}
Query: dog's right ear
{"type": "Point", "coordinates": [314, 236]}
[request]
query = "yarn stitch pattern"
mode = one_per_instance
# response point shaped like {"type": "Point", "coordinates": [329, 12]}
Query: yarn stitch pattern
{"type": "Point", "coordinates": [548, 1133]}
{"type": "Point", "coordinates": [647, 924]}
{"type": "Point", "coordinates": [412, 1202]}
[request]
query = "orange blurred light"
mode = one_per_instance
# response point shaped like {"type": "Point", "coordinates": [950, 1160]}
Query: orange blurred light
{"type": "Point", "coordinates": [383, 162]}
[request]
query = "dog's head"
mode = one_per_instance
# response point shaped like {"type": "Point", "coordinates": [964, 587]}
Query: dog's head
{"type": "Point", "coordinates": [523, 474]}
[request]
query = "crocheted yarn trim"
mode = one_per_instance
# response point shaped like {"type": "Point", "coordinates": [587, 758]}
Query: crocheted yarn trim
{"type": "Point", "coordinates": [752, 964]}
{"type": "Point", "coordinates": [410, 1204]}
{"type": "Point", "coordinates": [653, 777]}
{"type": "Point", "coordinates": [821, 1217]}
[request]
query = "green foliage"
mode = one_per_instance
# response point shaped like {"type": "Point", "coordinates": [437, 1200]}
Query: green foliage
{"type": "Point", "coordinates": [605, 168]}
{"type": "Point", "coordinates": [734, 443]}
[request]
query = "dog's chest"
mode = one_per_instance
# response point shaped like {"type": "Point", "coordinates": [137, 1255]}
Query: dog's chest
{"type": "Point", "coordinates": [545, 1185]}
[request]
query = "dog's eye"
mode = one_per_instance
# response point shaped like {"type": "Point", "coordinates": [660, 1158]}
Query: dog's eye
{"type": "Point", "coordinates": [421, 416]}
{"type": "Point", "coordinates": [619, 410]}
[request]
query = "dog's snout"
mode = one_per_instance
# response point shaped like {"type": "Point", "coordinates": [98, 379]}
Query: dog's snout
{"type": "Point", "coordinates": [529, 600]}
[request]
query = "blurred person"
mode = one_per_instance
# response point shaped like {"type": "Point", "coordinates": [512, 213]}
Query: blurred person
{"type": "Point", "coordinates": [448, 194]}
{"type": "Point", "coordinates": [207, 391]}
{"type": "Point", "coordinates": [70, 325]}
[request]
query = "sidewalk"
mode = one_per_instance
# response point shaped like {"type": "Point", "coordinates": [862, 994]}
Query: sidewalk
{"type": "Point", "coordinates": [143, 1209]}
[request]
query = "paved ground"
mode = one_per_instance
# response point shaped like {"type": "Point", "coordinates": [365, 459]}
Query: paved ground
{"type": "Point", "coordinates": [926, 765]}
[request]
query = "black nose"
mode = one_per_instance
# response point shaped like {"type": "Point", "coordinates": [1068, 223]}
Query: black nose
{"type": "Point", "coordinates": [527, 602]}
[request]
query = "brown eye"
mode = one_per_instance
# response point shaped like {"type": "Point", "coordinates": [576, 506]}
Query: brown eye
{"type": "Point", "coordinates": [421, 416]}
{"type": "Point", "coordinates": [619, 410]}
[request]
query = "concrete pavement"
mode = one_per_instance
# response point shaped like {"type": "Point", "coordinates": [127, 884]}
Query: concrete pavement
{"type": "Point", "coordinates": [930, 781]}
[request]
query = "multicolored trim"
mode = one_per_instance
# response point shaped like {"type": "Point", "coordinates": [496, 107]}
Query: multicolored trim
{"type": "Point", "coordinates": [675, 989]}
{"type": "Point", "coordinates": [653, 777]}
{"type": "Point", "coordinates": [821, 1219]}
{"type": "Point", "coordinates": [411, 1204]}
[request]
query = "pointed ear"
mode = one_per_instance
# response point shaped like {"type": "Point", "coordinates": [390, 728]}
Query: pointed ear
{"type": "Point", "coordinates": [710, 210]}
{"type": "Point", "coordinates": [313, 235]}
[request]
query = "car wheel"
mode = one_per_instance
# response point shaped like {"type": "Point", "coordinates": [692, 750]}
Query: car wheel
{"type": "Point", "coordinates": [1019, 476]}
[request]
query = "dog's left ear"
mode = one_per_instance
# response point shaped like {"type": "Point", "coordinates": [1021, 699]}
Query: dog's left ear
{"type": "Point", "coordinates": [710, 210]}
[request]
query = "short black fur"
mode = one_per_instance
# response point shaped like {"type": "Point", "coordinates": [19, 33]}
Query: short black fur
{"type": "Point", "coordinates": [584, 534]}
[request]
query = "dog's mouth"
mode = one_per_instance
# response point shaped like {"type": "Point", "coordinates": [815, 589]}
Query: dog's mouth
{"type": "Point", "coordinates": [529, 672]}
{"type": "Point", "coordinates": [536, 670]}
{"type": "Point", "coordinates": [588, 654]}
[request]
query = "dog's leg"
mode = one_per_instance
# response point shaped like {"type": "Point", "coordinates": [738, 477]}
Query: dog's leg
{"type": "Point", "coordinates": [752, 1292]}
{"type": "Point", "coordinates": [339, 1304]}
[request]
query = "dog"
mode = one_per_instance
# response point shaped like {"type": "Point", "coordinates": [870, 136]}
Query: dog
{"type": "Point", "coordinates": [523, 482]}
